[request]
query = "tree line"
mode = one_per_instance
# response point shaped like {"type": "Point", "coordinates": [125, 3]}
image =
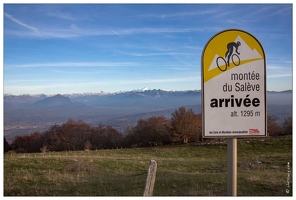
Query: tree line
{"type": "Point", "coordinates": [184, 127]}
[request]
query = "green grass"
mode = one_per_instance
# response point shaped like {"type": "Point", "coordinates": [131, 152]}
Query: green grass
{"type": "Point", "coordinates": [188, 170]}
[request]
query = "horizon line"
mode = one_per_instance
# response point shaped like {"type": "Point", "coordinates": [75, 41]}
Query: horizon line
{"type": "Point", "coordinates": [106, 93]}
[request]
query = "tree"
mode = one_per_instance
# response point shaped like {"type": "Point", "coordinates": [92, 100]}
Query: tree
{"type": "Point", "coordinates": [36, 141]}
{"type": "Point", "coordinates": [43, 149]}
{"type": "Point", "coordinates": [114, 138]}
{"type": "Point", "coordinates": [55, 139]}
{"type": "Point", "coordinates": [129, 139]}
{"type": "Point", "coordinates": [151, 132]}
{"type": "Point", "coordinates": [20, 144]}
{"type": "Point", "coordinates": [7, 147]}
{"type": "Point", "coordinates": [287, 126]}
{"type": "Point", "coordinates": [28, 143]}
{"type": "Point", "coordinates": [72, 135]}
{"type": "Point", "coordinates": [185, 125]}
{"type": "Point", "coordinates": [87, 145]}
{"type": "Point", "coordinates": [199, 127]}
{"type": "Point", "coordinates": [97, 137]}
{"type": "Point", "coordinates": [273, 128]}
{"type": "Point", "coordinates": [75, 133]}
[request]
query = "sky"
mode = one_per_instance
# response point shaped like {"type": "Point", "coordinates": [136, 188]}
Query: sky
{"type": "Point", "coordinates": [81, 48]}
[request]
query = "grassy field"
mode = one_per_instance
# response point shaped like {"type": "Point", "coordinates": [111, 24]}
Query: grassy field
{"type": "Point", "coordinates": [188, 170]}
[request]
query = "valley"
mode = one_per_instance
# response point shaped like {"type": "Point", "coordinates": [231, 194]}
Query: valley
{"type": "Point", "coordinates": [25, 114]}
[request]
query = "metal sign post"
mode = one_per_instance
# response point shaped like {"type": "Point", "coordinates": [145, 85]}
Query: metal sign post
{"type": "Point", "coordinates": [231, 167]}
{"type": "Point", "coordinates": [233, 93]}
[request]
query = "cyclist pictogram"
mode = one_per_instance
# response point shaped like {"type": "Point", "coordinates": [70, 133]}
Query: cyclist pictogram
{"type": "Point", "coordinates": [221, 62]}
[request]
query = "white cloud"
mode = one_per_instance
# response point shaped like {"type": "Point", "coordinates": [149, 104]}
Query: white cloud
{"type": "Point", "coordinates": [72, 31]}
{"type": "Point", "coordinates": [269, 67]}
{"type": "Point", "coordinates": [61, 15]}
{"type": "Point", "coordinates": [279, 75]}
{"type": "Point", "coordinates": [35, 30]}
{"type": "Point", "coordinates": [74, 64]}
{"type": "Point", "coordinates": [155, 54]}
{"type": "Point", "coordinates": [74, 26]}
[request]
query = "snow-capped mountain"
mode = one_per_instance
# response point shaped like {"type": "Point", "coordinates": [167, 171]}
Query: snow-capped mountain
{"type": "Point", "coordinates": [141, 89]}
{"type": "Point", "coordinates": [24, 114]}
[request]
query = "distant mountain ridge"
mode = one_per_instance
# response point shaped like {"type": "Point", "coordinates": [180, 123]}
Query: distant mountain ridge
{"type": "Point", "coordinates": [57, 100]}
{"type": "Point", "coordinates": [90, 99]}
{"type": "Point", "coordinates": [102, 93]}
{"type": "Point", "coordinates": [27, 113]}
{"type": "Point", "coordinates": [143, 95]}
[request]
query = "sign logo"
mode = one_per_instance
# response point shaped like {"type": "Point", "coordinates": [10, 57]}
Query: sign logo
{"type": "Point", "coordinates": [229, 53]}
{"type": "Point", "coordinates": [254, 131]}
{"type": "Point", "coordinates": [234, 86]}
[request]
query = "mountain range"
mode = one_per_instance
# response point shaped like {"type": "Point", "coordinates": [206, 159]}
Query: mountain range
{"type": "Point", "coordinates": [24, 114]}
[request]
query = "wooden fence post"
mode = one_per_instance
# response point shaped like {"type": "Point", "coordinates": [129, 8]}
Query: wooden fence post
{"type": "Point", "coordinates": [150, 178]}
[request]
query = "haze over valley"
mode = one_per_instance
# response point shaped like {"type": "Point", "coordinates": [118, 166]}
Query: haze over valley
{"type": "Point", "coordinates": [24, 114]}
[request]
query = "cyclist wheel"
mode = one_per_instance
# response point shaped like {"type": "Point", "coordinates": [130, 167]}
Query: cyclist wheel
{"type": "Point", "coordinates": [221, 64]}
{"type": "Point", "coordinates": [235, 59]}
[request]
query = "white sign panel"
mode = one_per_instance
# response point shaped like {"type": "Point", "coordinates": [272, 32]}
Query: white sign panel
{"type": "Point", "coordinates": [234, 86]}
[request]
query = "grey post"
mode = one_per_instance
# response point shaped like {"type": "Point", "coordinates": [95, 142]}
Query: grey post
{"type": "Point", "coordinates": [150, 178]}
{"type": "Point", "coordinates": [231, 167]}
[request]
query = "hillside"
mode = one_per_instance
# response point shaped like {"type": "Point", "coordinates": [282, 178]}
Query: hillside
{"type": "Point", "coordinates": [54, 101]}
{"type": "Point", "coordinates": [186, 170]}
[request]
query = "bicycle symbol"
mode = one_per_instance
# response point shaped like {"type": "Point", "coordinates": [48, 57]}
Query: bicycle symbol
{"type": "Point", "coordinates": [220, 61]}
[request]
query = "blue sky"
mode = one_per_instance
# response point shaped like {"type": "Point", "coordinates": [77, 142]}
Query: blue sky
{"type": "Point", "coordinates": [77, 48]}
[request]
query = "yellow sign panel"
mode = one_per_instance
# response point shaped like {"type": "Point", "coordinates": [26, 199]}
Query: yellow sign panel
{"type": "Point", "coordinates": [220, 44]}
{"type": "Point", "coordinates": [234, 86]}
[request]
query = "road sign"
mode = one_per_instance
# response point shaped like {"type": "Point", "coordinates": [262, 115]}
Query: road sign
{"type": "Point", "coordinates": [234, 86]}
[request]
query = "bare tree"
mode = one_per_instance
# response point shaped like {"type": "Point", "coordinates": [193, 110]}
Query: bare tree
{"type": "Point", "coordinates": [185, 125]}
{"type": "Point", "coordinates": [43, 149]}
{"type": "Point", "coordinates": [152, 131]}
{"type": "Point", "coordinates": [273, 128]}
{"type": "Point", "coordinates": [75, 133]}
{"type": "Point", "coordinates": [288, 125]}
{"type": "Point", "coordinates": [87, 145]}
